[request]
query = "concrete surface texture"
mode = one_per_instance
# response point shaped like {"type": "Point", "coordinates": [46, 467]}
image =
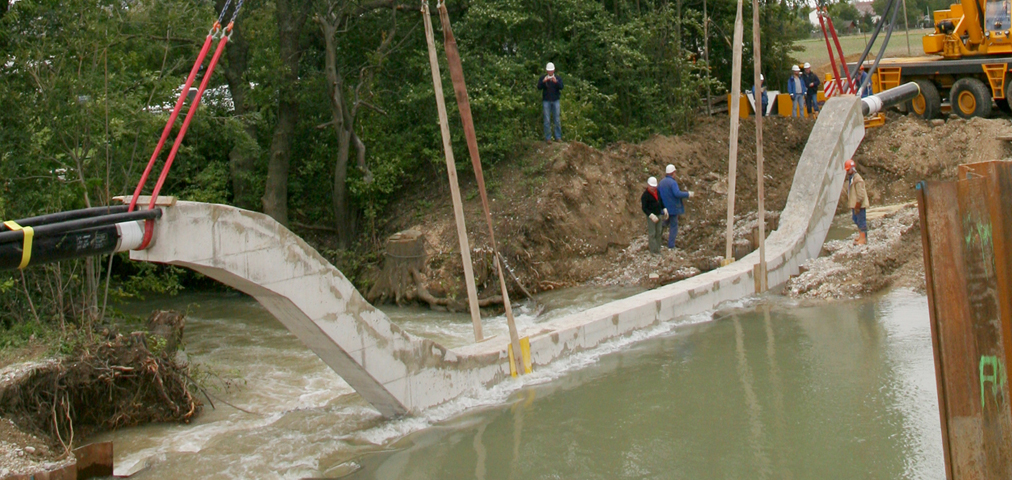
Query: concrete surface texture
{"type": "Point", "coordinates": [399, 373]}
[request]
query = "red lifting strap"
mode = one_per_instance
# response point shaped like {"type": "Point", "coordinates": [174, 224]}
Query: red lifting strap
{"type": "Point", "coordinates": [149, 224]}
{"type": "Point", "coordinates": [172, 117]}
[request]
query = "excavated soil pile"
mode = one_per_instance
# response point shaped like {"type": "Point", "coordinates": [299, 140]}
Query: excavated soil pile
{"type": "Point", "coordinates": [893, 158]}
{"type": "Point", "coordinates": [568, 214]}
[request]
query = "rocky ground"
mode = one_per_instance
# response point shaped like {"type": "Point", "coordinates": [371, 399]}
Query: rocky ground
{"type": "Point", "coordinates": [892, 258]}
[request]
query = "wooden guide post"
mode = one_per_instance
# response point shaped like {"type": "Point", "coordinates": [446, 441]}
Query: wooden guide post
{"type": "Point", "coordinates": [706, 55]}
{"type": "Point", "coordinates": [757, 60]}
{"type": "Point", "coordinates": [451, 171]}
{"type": "Point", "coordinates": [732, 143]}
{"type": "Point", "coordinates": [464, 106]}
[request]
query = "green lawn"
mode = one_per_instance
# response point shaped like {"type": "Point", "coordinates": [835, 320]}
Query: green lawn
{"type": "Point", "coordinates": [814, 49]}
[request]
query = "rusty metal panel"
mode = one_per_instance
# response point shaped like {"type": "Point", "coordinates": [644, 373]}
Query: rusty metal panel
{"type": "Point", "coordinates": [981, 286]}
{"type": "Point", "coordinates": [999, 200]}
{"type": "Point", "coordinates": [950, 325]}
{"type": "Point", "coordinates": [966, 230]}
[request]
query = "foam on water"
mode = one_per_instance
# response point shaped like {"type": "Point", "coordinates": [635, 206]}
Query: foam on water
{"type": "Point", "coordinates": [300, 418]}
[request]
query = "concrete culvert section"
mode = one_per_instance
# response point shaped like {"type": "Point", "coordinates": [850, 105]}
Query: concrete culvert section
{"type": "Point", "coordinates": [400, 373]}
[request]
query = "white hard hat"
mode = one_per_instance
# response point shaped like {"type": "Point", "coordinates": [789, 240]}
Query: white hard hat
{"type": "Point", "coordinates": [652, 181]}
{"type": "Point", "coordinates": [761, 77]}
{"type": "Point", "coordinates": [795, 69]}
{"type": "Point", "coordinates": [669, 169]}
{"type": "Point", "coordinates": [808, 65]}
{"type": "Point", "coordinates": [550, 67]}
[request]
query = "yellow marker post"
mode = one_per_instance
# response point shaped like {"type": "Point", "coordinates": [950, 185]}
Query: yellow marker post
{"type": "Point", "coordinates": [26, 249]}
{"type": "Point", "coordinates": [525, 354]}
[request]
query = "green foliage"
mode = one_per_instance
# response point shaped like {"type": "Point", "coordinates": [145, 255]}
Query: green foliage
{"type": "Point", "coordinates": [86, 88]}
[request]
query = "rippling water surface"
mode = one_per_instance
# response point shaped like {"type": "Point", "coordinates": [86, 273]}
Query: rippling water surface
{"type": "Point", "coordinates": [763, 389]}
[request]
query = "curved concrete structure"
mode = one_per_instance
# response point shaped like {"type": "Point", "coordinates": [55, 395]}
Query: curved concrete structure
{"type": "Point", "coordinates": [399, 373]}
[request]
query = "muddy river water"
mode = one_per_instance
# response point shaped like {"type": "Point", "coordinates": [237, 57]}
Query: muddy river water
{"type": "Point", "coordinates": [765, 388]}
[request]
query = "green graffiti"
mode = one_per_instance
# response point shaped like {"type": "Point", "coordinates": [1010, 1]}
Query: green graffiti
{"type": "Point", "coordinates": [979, 233]}
{"type": "Point", "coordinates": [996, 377]}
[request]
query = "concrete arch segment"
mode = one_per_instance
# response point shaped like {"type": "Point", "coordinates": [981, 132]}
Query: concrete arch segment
{"type": "Point", "coordinates": [395, 371]}
{"type": "Point", "coordinates": [399, 373]}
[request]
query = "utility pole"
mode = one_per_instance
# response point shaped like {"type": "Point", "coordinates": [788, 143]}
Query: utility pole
{"type": "Point", "coordinates": [757, 60]}
{"type": "Point", "coordinates": [706, 55]}
{"type": "Point", "coordinates": [734, 104]}
{"type": "Point", "coordinates": [906, 25]}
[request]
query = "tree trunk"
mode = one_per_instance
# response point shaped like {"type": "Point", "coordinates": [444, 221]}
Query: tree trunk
{"type": "Point", "coordinates": [343, 126]}
{"type": "Point", "coordinates": [291, 16]}
{"type": "Point", "coordinates": [242, 160]}
{"type": "Point", "coordinates": [342, 209]}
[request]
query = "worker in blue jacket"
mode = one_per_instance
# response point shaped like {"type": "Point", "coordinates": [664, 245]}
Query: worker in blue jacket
{"type": "Point", "coordinates": [796, 89]}
{"type": "Point", "coordinates": [672, 197]}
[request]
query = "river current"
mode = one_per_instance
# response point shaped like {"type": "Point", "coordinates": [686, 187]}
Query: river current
{"type": "Point", "coordinates": [764, 388]}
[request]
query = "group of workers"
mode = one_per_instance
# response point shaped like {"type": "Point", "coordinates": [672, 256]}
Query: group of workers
{"type": "Point", "coordinates": [662, 205]}
{"type": "Point", "coordinates": [803, 87]}
{"type": "Point", "coordinates": [662, 201]}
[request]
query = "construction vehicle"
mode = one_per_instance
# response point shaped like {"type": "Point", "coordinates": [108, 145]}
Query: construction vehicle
{"type": "Point", "coordinates": [967, 62]}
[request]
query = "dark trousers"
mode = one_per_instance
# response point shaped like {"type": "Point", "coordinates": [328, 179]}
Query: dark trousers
{"type": "Point", "coordinates": [811, 102]}
{"type": "Point", "coordinates": [655, 234]}
{"type": "Point", "coordinates": [858, 215]}
{"type": "Point", "coordinates": [672, 230]}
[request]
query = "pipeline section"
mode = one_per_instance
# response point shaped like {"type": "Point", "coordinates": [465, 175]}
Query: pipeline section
{"type": "Point", "coordinates": [81, 233]}
{"type": "Point", "coordinates": [873, 104]}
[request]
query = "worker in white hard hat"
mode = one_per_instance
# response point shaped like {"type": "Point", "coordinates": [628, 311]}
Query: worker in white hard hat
{"type": "Point", "coordinates": [811, 81]}
{"type": "Point", "coordinates": [764, 105]}
{"type": "Point", "coordinates": [550, 85]}
{"type": "Point", "coordinates": [650, 201]}
{"type": "Point", "coordinates": [796, 89]}
{"type": "Point", "coordinates": [672, 197]}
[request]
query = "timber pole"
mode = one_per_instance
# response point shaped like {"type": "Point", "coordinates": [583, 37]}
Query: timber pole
{"type": "Point", "coordinates": [456, 68]}
{"type": "Point", "coordinates": [906, 26]}
{"type": "Point", "coordinates": [451, 171]}
{"type": "Point", "coordinates": [706, 55]}
{"type": "Point", "coordinates": [756, 74]}
{"type": "Point", "coordinates": [732, 144]}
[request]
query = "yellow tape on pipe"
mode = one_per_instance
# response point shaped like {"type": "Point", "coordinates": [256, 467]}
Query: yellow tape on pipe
{"type": "Point", "coordinates": [26, 250]}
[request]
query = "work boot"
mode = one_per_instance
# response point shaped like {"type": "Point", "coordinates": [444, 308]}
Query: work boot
{"type": "Point", "coordinates": [862, 239]}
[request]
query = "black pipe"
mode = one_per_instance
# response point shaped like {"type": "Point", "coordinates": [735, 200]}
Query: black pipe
{"type": "Point", "coordinates": [69, 245]}
{"type": "Point", "coordinates": [80, 224]}
{"type": "Point", "coordinates": [874, 103]}
{"type": "Point", "coordinates": [881, 52]}
{"type": "Point", "coordinates": [874, 36]}
{"type": "Point", "coordinates": [60, 217]}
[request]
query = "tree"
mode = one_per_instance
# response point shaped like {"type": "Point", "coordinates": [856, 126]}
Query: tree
{"type": "Point", "coordinates": [291, 16]}
{"type": "Point", "coordinates": [346, 100]}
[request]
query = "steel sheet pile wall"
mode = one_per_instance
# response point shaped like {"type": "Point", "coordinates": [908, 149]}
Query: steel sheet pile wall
{"type": "Point", "coordinates": [967, 230]}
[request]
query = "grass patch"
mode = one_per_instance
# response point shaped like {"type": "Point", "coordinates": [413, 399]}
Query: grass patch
{"type": "Point", "coordinates": [814, 49]}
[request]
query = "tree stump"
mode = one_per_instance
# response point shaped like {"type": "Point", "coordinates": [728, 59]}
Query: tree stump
{"type": "Point", "coordinates": [405, 251]}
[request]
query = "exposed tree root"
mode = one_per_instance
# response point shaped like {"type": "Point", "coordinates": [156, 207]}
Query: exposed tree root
{"type": "Point", "coordinates": [112, 384]}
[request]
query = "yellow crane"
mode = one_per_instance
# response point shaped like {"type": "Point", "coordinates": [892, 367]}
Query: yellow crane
{"type": "Point", "coordinates": [966, 63]}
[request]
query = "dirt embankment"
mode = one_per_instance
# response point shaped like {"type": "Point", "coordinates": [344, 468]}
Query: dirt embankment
{"type": "Point", "coordinates": [568, 214]}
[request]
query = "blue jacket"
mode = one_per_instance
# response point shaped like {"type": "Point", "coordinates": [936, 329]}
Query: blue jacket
{"type": "Point", "coordinates": [671, 196]}
{"type": "Point", "coordinates": [793, 89]}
